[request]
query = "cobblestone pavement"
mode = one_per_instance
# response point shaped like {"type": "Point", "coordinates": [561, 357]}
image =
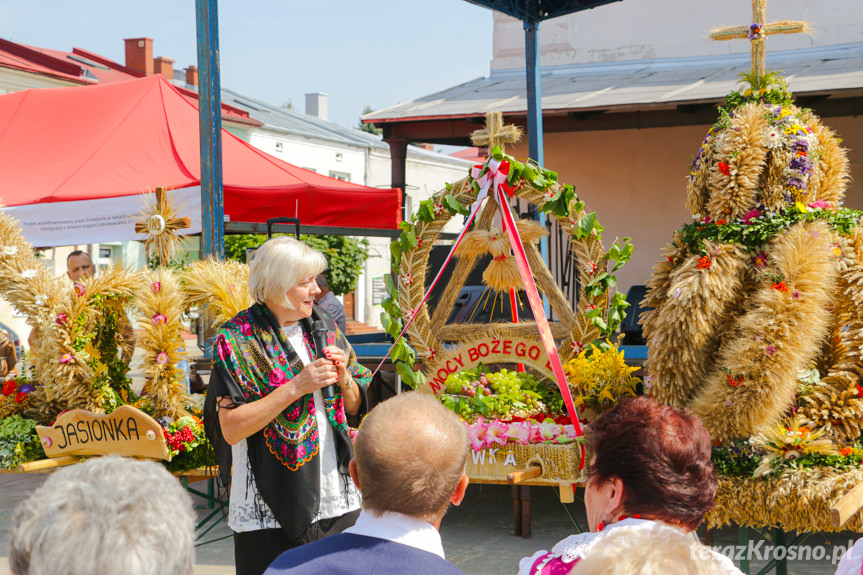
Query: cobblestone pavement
{"type": "Point", "coordinates": [477, 536]}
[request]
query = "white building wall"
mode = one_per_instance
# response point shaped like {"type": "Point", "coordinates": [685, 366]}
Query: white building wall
{"type": "Point", "coordinates": [647, 29]}
{"type": "Point", "coordinates": [325, 158]}
{"type": "Point", "coordinates": [15, 80]}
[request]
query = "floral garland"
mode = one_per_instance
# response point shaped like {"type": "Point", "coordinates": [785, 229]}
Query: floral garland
{"type": "Point", "coordinates": [493, 433]}
{"type": "Point", "coordinates": [603, 311]}
{"type": "Point", "coordinates": [760, 225]}
{"type": "Point", "coordinates": [787, 446]}
{"type": "Point", "coordinates": [15, 396]}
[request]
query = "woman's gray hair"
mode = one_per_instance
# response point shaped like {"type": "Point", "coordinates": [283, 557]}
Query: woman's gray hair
{"type": "Point", "coordinates": [280, 264]}
{"type": "Point", "coordinates": [106, 515]}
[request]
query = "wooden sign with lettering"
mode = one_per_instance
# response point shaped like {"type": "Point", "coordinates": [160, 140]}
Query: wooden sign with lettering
{"type": "Point", "coordinates": [128, 431]}
{"type": "Point", "coordinates": [495, 349]}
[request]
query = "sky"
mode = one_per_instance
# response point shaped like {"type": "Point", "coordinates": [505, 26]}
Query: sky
{"type": "Point", "coordinates": [377, 52]}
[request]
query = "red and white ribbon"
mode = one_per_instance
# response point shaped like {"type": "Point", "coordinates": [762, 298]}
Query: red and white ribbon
{"type": "Point", "coordinates": [494, 180]}
{"type": "Point", "coordinates": [497, 173]}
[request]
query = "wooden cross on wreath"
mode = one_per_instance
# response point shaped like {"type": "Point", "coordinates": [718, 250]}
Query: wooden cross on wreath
{"type": "Point", "coordinates": [486, 237]}
{"type": "Point", "coordinates": [161, 223]}
{"type": "Point", "coordinates": [495, 133]}
{"type": "Point", "coordinates": [757, 32]}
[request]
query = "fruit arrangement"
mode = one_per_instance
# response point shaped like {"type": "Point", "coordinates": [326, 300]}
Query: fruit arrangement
{"type": "Point", "coordinates": [503, 394]}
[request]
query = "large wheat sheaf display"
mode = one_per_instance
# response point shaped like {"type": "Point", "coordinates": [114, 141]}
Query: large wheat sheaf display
{"type": "Point", "coordinates": [756, 310]}
{"type": "Point", "coordinates": [223, 286]}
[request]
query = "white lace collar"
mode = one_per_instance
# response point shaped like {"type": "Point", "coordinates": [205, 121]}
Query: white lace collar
{"type": "Point", "coordinates": [292, 329]}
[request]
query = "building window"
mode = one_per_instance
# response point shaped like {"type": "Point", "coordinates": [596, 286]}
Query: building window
{"type": "Point", "coordinates": [344, 176]}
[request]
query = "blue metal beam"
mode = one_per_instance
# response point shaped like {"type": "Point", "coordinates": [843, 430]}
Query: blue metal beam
{"type": "Point", "coordinates": [534, 109]}
{"type": "Point", "coordinates": [534, 91]}
{"type": "Point", "coordinates": [210, 108]}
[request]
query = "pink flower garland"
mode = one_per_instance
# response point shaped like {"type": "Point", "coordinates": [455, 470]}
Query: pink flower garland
{"type": "Point", "coordinates": [484, 434]}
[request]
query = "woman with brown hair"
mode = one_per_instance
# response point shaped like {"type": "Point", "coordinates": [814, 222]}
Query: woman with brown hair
{"type": "Point", "coordinates": [649, 463]}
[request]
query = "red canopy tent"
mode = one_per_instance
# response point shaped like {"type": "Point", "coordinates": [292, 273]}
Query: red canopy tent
{"type": "Point", "coordinates": [73, 160]}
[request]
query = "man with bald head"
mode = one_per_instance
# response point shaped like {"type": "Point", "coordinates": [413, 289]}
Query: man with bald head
{"type": "Point", "coordinates": [409, 462]}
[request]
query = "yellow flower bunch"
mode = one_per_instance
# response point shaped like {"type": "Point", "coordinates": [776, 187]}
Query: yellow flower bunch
{"type": "Point", "coordinates": [599, 377]}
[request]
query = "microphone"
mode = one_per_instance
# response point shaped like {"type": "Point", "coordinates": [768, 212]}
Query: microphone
{"type": "Point", "coordinates": [319, 336]}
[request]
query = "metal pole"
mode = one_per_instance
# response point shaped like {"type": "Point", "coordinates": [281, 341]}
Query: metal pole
{"type": "Point", "coordinates": [210, 107]}
{"type": "Point", "coordinates": [534, 115]}
{"type": "Point", "coordinates": [534, 91]}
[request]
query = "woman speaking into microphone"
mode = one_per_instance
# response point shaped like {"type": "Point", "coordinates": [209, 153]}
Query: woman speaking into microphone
{"type": "Point", "coordinates": [276, 410]}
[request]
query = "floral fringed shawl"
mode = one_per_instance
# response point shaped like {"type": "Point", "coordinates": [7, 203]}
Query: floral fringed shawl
{"type": "Point", "coordinates": [252, 357]}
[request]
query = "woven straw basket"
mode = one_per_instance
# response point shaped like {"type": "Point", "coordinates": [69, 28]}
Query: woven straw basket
{"type": "Point", "coordinates": [559, 463]}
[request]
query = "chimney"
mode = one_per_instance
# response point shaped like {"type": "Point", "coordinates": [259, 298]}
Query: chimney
{"type": "Point", "coordinates": [192, 76]}
{"type": "Point", "coordinates": [164, 66]}
{"type": "Point", "coordinates": [316, 105]}
{"type": "Point", "coordinates": [139, 54]}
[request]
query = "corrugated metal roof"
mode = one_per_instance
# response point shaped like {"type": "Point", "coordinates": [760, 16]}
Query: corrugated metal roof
{"type": "Point", "coordinates": [636, 84]}
{"type": "Point", "coordinates": [295, 122]}
{"type": "Point", "coordinates": [290, 121]}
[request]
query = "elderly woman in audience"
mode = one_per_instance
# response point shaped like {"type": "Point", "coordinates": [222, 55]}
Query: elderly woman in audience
{"type": "Point", "coordinates": [107, 515]}
{"type": "Point", "coordinates": [651, 548]}
{"type": "Point", "coordinates": [649, 463]}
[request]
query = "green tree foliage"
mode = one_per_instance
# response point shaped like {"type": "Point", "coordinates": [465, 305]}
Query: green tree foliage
{"type": "Point", "coordinates": [370, 128]}
{"type": "Point", "coordinates": [345, 256]}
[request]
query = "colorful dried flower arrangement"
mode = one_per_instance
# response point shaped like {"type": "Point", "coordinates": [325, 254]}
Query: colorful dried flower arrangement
{"type": "Point", "coordinates": [15, 396]}
{"type": "Point", "coordinates": [187, 443]}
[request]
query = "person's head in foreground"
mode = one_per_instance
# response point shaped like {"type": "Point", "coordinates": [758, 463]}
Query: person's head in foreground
{"type": "Point", "coordinates": [106, 515]}
{"type": "Point", "coordinates": [409, 458]}
{"type": "Point", "coordinates": [649, 549]}
{"type": "Point", "coordinates": [282, 277]}
{"type": "Point", "coordinates": [649, 461]}
{"type": "Point", "coordinates": [79, 266]}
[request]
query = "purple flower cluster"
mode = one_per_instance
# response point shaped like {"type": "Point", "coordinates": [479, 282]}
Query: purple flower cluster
{"type": "Point", "coordinates": [694, 167]}
{"type": "Point", "coordinates": [800, 167]}
{"type": "Point", "coordinates": [755, 31]}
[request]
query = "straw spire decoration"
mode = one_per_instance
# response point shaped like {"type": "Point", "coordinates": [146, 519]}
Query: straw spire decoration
{"type": "Point", "coordinates": [160, 221]}
{"type": "Point", "coordinates": [160, 311]}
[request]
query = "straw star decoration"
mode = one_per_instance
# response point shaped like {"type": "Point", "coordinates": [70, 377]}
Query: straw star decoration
{"type": "Point", "coordinates": [160, 221]}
